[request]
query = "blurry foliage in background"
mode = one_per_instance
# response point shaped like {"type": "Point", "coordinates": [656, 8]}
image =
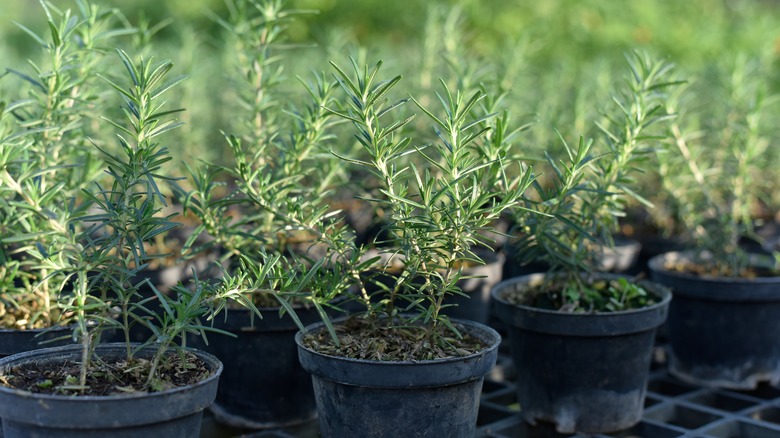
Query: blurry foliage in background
{"type": "Point", "coordinates": [550, 58]}
{"type": "Point", "coordinates": [690, 32]}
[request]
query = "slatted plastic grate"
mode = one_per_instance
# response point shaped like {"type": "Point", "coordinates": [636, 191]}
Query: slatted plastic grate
{"type": "Point", "coordinates": [672, 409]}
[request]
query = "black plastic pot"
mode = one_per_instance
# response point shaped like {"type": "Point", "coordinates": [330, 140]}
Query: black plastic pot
{"type": "Point", "coordinates": [365, 398]}
{"type": "Point", "coordinates": [584, 372]}
{"type": "Point", "coordinates": [19, 341]}
{"type": "Point", "coordinates": [723, 332]}
{"type": "Point", "coordinates": [171, 413]}
{"type": "Point", "coordinates": [263, 385]}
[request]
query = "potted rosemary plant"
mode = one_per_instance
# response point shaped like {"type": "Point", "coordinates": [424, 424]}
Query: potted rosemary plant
{"type": "Point", "coordinates": [123, 389]}
{"type": "Point", "coordinates": [582, 339]}
{"type": "Point", "coordinates": [723, 323]}
{"type": "Point", "coordinates": [399, 366]}
{"type": "Point", "coordinates": [266, 212]}
{"type": "Point", "coordinates": [263, 260]}
{"type": "Point", "coordinates": [45, 157]}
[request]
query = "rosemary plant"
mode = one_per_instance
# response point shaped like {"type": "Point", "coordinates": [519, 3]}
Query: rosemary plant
{"type": "Point", "coordinates": [281, 173]}
{"type": "Point", "coordinates": [17, 279]}
{"type": "Point", "coordinates": [570, 224]}
{"type": "Point", "coordinates": [290, 281]}
{"type": "Point", "coordinates": [103, 256]}
{"type": "Point", "coordinates": [47, 158]}
{"type": "Point", "coordinates": [267, 210]}
{"type": "Point", "coordinates": [282, 244]}
{"type": "Point", "coordinates": [437, 206]}
{"type": "Point", "coordinates": [716, 194]}
{"type": "Point", "coordinates": [280, 186]}
{"type": "Point", "coordinates": [256, 28]}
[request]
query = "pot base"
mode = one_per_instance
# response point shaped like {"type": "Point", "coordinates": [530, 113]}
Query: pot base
{"type": "Point", "coordinates": [745, 377]}
{"type": "Point", "coordinates": [616, 411]}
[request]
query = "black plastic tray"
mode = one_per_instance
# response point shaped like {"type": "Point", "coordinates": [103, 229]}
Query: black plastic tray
{"type": "Point", "coordinates": [672, 409]}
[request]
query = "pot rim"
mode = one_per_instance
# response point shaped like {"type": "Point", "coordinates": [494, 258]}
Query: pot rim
{"type": "Point", "coordinates": [488, 331]}
{"type": "Point", "coordinates": [653, 287]}
{"type": "Point", "coordinates": [560, 323]}
{"type": "Point", "coordinates": [402, 374]}
{"type": "Point", "coordinates": [657, 264]}
{"type": "Point", "coordinates": [56, 353]}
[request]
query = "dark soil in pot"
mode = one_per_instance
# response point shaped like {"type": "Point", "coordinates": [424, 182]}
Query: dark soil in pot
{"type": "Point", "coordinates": [173, 412]}
{"type": "Point", "coordinates": [723, 331]}
{"type": "Point", "coordinates": [375, 398]}
{"type": "Point", "coordinates": [585, 372]}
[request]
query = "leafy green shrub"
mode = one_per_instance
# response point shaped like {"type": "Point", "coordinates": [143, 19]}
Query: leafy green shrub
{"type": "Point", "coordinates": [46, 155]}
{"type": "Point", "coordinates": [714, 172]}
{"type": "Point", "coordinates": [569, 224]}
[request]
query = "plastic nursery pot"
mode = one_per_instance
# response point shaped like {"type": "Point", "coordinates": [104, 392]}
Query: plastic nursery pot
{"type": "Point", "coordinates": [263, 385]}
{"type": "Point", "coordinates": [723, 332]}
{"type": "Point", "coordinates": [172, 413]}
{"type": "Point", "coordinates": [369, 398]}
{"type": "Point", "coordinates": [585, 373]}
{"type": "Point", "coordinates": [19, 341]}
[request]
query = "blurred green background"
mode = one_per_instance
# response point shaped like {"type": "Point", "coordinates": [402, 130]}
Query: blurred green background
{"type": "Point", "coordinates": [689, 32]}
{"type": "Point", "coordinates": [557, 60]}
